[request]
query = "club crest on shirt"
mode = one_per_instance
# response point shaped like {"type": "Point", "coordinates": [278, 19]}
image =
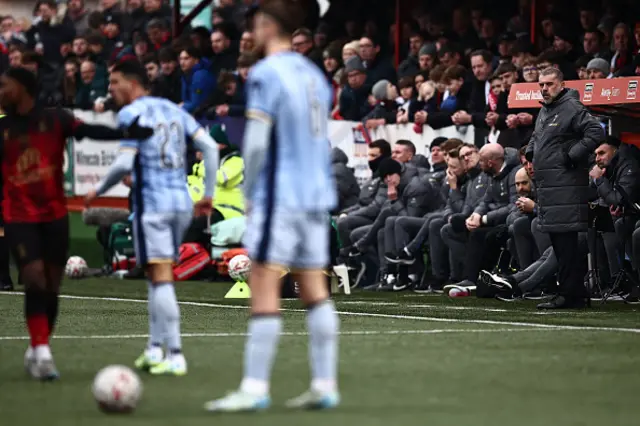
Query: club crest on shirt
{"type": "Point", "coordinates": [6, 134]}
{"type": "Point", "coordinates": [43, 126]}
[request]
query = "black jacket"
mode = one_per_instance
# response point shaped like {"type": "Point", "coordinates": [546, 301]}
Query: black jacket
{"type": "Point", "coordinates": [380, 69]}
{"type": "Point", "coordinates": [500, 197]}
{"type": "Point", "coordinates": [519, 136]}
{"type": "Point", "coordinates": [622, 173]}
{"type": "Point", "coordinates": [418, 198]}
{"type": "Point", "coordinates": [348, 189]}
{"type": "Point", "coordinates": [368, 193]}
{"type": "Point", "coordinates": [381, 199]}
{"type": "Point", "coordinates": [564, 137]}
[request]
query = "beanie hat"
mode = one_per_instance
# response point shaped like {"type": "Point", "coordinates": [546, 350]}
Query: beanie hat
{"type": "Point", "coordinates": [25, 78]}
{"type": "Point", "coordinates": [379, 90]}
{"type": "Point", "coordinates": [389, 167]}
{"type": "Point", "coordinates": [438, 141]}
{"type": "Point", "coordinates": [354, 63]}
{"type": "Point", "coordinates": [218, 134]}
{"type": "Point", "coordinates": [428, 49]}
{"type": "Point", "coordinates": [600, 65]}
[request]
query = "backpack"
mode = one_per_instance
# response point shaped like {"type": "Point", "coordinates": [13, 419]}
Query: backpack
{"type": "Point", "coordinates": [120, 252]}
{"type": "Point", "coordinates": [192, 259]}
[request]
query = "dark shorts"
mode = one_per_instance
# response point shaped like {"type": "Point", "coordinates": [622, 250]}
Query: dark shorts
{"type": "Point", "coordinates": [47, 241]}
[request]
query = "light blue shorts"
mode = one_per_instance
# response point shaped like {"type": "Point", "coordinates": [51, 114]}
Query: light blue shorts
{"type": "Point", "coordinates": [298, 240]}
{"type": "Point", "coordinates": [157, 236]}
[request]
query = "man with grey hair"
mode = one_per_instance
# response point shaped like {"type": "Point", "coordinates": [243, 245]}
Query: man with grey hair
{"type": "Point", "coordinates": [565, 135]}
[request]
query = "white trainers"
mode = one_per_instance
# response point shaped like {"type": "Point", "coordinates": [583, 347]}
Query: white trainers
{"type": "Point", "coordinates": [30, 363]}
{"type": "Point", "coordinates": [173, 365]}
{"type": "Point", "coordinates": [149, 359]}
{"type": "Point", "coordinates": [314, 400]}
{"type": "Point", "coordinates": [236, 402]}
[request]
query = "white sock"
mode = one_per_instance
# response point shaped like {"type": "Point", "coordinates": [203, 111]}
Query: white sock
{"type": "Point", "coordinates": [43, 352]}
{"type": "Point", "coordinates": [323, 325]}
{"type": "Point", "coordinates": [168, 315]}
{"type": "Point", "coordinates": [259, 353]}
{"type": "Point", "coordinates": [155, 332]}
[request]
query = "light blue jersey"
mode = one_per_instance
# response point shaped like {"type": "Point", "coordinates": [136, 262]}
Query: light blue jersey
{"type": "Point", "coordinates": [159, 175]}
{"type": "Point", "coordinates": [291, 93]}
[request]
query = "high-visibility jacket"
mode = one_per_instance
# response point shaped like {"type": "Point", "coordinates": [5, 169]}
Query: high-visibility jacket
{"type": "Point", "coordinates": [228, 198]}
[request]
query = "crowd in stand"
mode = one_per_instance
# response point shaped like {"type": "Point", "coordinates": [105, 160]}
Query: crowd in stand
{"type": "Point", "coordinates": [468, 54]}
{"type": "Point", "coordinates": [468, 204]}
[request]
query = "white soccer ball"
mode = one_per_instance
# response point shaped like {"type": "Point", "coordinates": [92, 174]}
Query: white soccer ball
{"type": "Point", "coordinates": [117, 389]}
{"type": "Point", "coordinates": [240, 268]}
{"type": "Point", "coordinates": [76, 267]}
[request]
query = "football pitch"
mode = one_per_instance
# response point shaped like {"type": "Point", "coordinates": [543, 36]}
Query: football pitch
{"type": "Point", "coordinates": [404, 360]}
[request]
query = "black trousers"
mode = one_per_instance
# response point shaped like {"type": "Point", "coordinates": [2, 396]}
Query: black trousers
{"type": "Point", "coordinates": [483, 249]}
{"type": "Point", "coordinates": [572, 266]}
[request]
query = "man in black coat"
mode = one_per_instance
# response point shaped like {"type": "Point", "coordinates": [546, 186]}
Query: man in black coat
{"type": "Point", "coordinates": [564, 136]}
{"type": "Point", "coordinates": [617, 177]}
{"type": "Point", "coordinates": [348, 188]}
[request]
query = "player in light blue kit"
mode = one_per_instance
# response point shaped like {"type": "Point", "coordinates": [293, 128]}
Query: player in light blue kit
{"type": "Point", "coordinates": [162, 206]}
{"type": "Point", "coordinates": [290, 191]}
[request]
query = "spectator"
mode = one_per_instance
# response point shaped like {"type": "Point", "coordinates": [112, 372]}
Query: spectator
{"type": "Point", "coordinates": [157, 10]}
{"type": "Point", "coordinates": [70, 83]}
{"type": "Point", "coordinates": [197, 82]}
{"type": "Point", "coordinates": [622, 51]}
{"type": "Point", "coordinates": [50, 33]}
{"type": "Point", "coordinates": [170, 77]}
{"type": "Point", "coordinates": [350, 50]}
{"type": "Point", "coordinates": [377, 67]}
{"type": "Point", "coordinates": [598, 68]}
{"type": "Point", "coordinates": [78, 15]}
{"type": "Point", "coordinates": [247, 43]}
{"type": "Point", "coordinates": [224, 56]}
{"type": "Point", "coordinates": [15, 58]}
{"type": "Point", "coordinates": [96, 43]}
{"type": "Point", "coordinates": [410, 65]}
{"type": "Point", "coordinates": [152, 66]}
{"type": "Point", "coordinates": [581, 66]}
{"type": "Point", "coordinates": [530, 70]}
{"type": "Point", "coordinates": [481, 67]}
{"type": "Point", "coordinates": [449, 55]}
{"type": "Point", "coordinates": [353, 102]}
{"type": "Point", "coordinates": [386, 108]}
{"type": "Point", "coordinates": [90, 88]}
{"type": "Point", "coordinates": [113, 45]}
{"type": "Point", "coordinates": [49, 79]}
{"type": "Point", "coordinates": [159, 32]}
{"type": "Point", "coordinates": [200, 38]}
{"type": "Point", "coordinates": [458, 91]}
{"type": "Point", "coordinates": [521, 52]}
{"type": "Point", "coordinates": [137, 21]}
{"type": "Point", "coordinates": [593, 44]}
{"type": "Point", "coordinates": [302, 42]}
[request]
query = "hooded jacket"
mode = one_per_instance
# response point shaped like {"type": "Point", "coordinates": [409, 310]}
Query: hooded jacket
{"type": "Point", "coordinates": [348, 189]}
{"type": "Point", "coordinates": [500, 196]}
{"type": "Point", "coordinates": [564, 137]}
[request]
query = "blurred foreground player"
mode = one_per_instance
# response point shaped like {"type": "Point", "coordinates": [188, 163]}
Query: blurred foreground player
{"type": "Point", "coordinates": [34, 206]}
{"type": "Point", "coordinates": [162, 206]}
{"type": "Point", "coordinates": [290, 191]}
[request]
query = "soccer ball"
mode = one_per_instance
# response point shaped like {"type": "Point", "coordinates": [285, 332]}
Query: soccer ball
{"type": "Point", "coordinates": [117, 389]}
{"type": "Point", "coordinates": [240, 267]}
{"type": "Point", "coordinates": [76, 267]}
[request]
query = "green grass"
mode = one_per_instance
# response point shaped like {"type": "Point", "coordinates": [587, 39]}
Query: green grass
{"type": "Point", "coordinates": [423, 361]}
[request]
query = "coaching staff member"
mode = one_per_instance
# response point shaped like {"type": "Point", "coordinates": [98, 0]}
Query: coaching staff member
{"type": "Point", "coordinates": [564, 136]}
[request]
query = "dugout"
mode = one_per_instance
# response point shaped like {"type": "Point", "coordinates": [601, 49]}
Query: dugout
{"type": "Point", "coordinates": [615, 101]}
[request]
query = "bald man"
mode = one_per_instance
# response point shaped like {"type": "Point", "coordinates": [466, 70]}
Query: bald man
{"type": "Point", "coordinates": [486, 229]}
{"type": "Point", "coordinates": [523, 243]}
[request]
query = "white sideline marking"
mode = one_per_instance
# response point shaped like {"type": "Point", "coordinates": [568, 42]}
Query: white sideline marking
{"type": "Point", "coordinates": [295, 334]}
{"type": "Point", "coordinates": [373, 315]}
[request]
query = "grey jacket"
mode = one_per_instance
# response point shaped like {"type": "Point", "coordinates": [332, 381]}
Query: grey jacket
{"type": "Point", "coordinates": [466, 198]}
{"type": "Point", "coordinates": [348, 188]}
{"type": "Point", "coordinates": [381, 200]}
{"type": "Point", "coordinates": [500, 197]}
{"type": "Point", "coordinates": [418, 198]}
{"type": "Point", "coordinates": [565, 135]}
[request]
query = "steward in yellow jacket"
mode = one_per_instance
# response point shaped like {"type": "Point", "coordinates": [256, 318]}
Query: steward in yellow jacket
{"type": "Point", "coordinates": [228, 200]}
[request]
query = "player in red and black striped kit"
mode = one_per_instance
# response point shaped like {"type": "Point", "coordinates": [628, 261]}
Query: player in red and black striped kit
{"type": "Point", "coordinates": [34, 205]}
